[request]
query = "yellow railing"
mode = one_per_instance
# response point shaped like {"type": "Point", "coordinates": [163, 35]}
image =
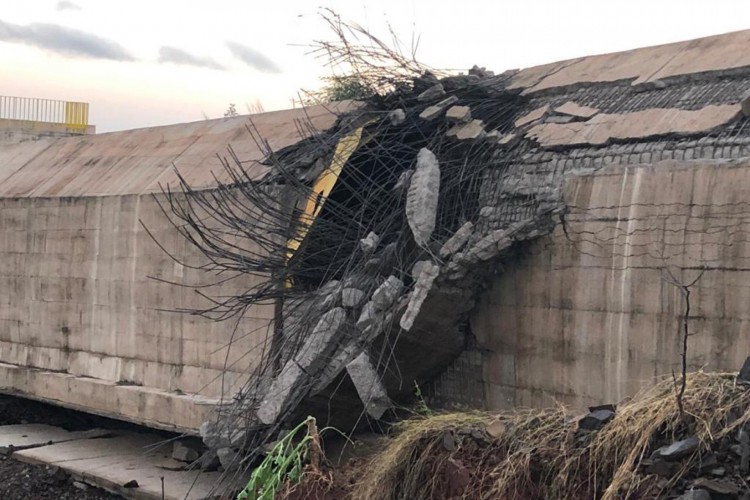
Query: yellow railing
{"type": "Point", "coordinates": [74, 115]}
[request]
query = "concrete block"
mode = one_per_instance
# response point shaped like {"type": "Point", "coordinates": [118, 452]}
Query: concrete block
{"type": "Point", "coordinates": [422, 197]}
{"type": "Point", "coordinates": [369, 386]}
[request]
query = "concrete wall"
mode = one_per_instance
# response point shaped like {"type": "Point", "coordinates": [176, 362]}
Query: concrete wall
{"type": "Point", "coordinates": [83, 324]}
{"type": "Point", "coordinates": [590, 318]}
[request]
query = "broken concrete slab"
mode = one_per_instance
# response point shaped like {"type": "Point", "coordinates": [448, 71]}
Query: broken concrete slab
{"type": "Point", "coordinates": [422, 197]}
{"type": "Point", "coordinates": [468, 131]}
{"type": "Point", "coordinates": [457, 241]}
{"type": "Point", "coordinates": [432, 93]}
{"type": "Point", "coordinates": [387, 293]}
{"type": "Point", "coordinates": [369, 243]}
{"type": "Point", "coordinates": [352, 297]}
{"type": "Point", "coordinates": [184, 452]}
{"type": "Point", "coordinates": [678, 449]}
{"type": "Point", "coordinates": [428, 271]}
{"type": "Point", "coordinates": [596, 419]}
{"type": "Point", "coordinates": [278, 393]}
{"type": "Point", "coordinates": [532, 116]}
{"type": "Point", "coordinates": [111, 463]}
{"type": "Point", "coordinates": [432, 112]}
{"type": "Point", "coordinates": [22, 436]}
{"type": "Point", "coordinates": [369, 386]}
{"type": "Point", "coordinates": [576, 110]}
{"type": "Point", "coordinates": [461, 114]}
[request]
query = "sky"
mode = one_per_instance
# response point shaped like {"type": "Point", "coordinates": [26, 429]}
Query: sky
{"type": "Point", "coordinates": [142, 63]}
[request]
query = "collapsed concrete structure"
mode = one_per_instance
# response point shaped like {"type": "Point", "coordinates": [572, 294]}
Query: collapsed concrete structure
{"type": "Point", "coordinates": [500, 240]}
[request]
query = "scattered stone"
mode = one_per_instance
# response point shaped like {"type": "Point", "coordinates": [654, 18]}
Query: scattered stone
{"type": "Point", "coordinates": [532, 116]}
{"type": "Point", "coordinates": [56, 474]}
{"type": "Point", "coordinates": [397, 117]}
{"type": "Point", "coordinates": [572, 109]}
{"type": "Point", "coordinates": [183, 452]}
{"type": "Point", "coordinates": [424, 280]}
{"type": "Point", "coordinates": [131, 484]}
{"type": "Point", "coordinates": [228, 458]}
{"type": "Point", "coordinates": [209, 461]}
{"type": "Point", "coordinates": [695, 495]}
{"type": "Point", "coordinates": [496, 428]}
{"type": "Point", "coordinates": [352, 297]}
{"type": "Point", "coordinates": [387, 293]}
{"type": "Point", "coordinates": [679, 449]}
{"type": "Point", "coordinates": [369, 243]}
{"type": "Point", "coordinates": [468, 131]}
{"type": "Point", "coordinates": [595, 420]}
{"type": "Point", "coordinates": [661, 468]}
{"type": "Point", "coordinates": [422, 197]}
{"type": "Point", "coordinates": [457, 241]}
{"type": "Point", "coordinates": [461, 114]}
{"type": "Point", "coordinates": [744, 374]}
{"type": "Point", "coordinates": [436, 110]}
{"type": "Point", "coordinates": [431, 93]}
{"type": "Point", "coordinates": [716, 486]}
{"type": "Point", "coordinates": [81, 486]}
{"type": "Point", "coordinates": [369, 386]}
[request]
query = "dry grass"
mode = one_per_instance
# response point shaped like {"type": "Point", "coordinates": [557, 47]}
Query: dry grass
{"type": "Point", "coordinates": [540, 454]}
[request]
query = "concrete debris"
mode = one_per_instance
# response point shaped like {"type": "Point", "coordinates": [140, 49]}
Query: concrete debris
{"type": "Point", "coordinates": [397, 116]}
{"type": "Point", "coordinates": [387, 293]}
{"type": "Point", "coordinates": [457, 241]}
{"type": "Point", "coordinates": [368, 316]}
{"type": "Point", "coordinates": [327, 328]}
{"type": "Point", "coordinates": [209, 461]}
{"type": "Point", "coordinates": [678, 449]}
{"type": "Point", "coordinates": [81, 486]}
{"type": "Point", "coordinates": [507, 139]}
{"type": "Point", "coordinates": [436, 110]}
{"type": "Point", "coordinates": [278, 394]}
{"type": "Point", "coordinates": [369, 386]}
{"type": "Point", "coordinates": [212, 435]}
{"type": "Point", "coordinates": [596, 419]}
{"type": "Point", "coordinates": [461, 114]}
{"type": "Point", "coordinates": [369, 243]}
{"type": "Point", "coordinates": [468, 131]}
{"type": "Point", "coordinates": [352, 297]}
{"type": "Point", "coordinates": [532, 116]}
{"type": "Point", "coordinates": [432, 93]}
{"type": "Point", "coordinates": [496, 428]}
{"type": "Point", "coordinates": [570, 108]}
{"type": "Point", "coordinates": [228, 458]}
{"type": "Point", "coordinates": [403, 180]}
{"type": "Point", "coordinates": [695, 495]}
{"type": "Point", "coordinates": [422, 197]}
{"type": "Point", "coordinates": [184, 452]}
{"type": "Point", "coordinates": [481, 72]}
{"type": "Point", "coordinates": [424, 280]}
{"type": "Point", "coordinates": [716, 486]}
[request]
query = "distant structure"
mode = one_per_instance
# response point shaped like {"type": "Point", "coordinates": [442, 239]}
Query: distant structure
{"type": "Point", "coordinates": [27, 118]}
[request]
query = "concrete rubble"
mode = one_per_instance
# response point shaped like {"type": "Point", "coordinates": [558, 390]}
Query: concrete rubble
{"type": "Point", "coordinates": [422, 198]}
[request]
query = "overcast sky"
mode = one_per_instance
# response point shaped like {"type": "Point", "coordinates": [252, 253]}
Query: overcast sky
{"type": "Point", "coordinates": [150, 62]}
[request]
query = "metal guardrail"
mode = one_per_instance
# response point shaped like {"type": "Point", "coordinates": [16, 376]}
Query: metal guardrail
{"type": "Point", "coordinates": [74, 115]}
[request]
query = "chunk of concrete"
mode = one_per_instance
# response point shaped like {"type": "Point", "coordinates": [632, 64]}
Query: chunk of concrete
{"type": "Point", "coordinates": [397, 116]}
{"type": "Point", "coordinates": [352, 297]}
{"type": "Point", "coordinates": [325, 332]}
{"type": "Point", "coordinates": [679, 449]}
{"type": "Point", "coordinates": [428, 271]}
{"type": "Point", "coordinates": [403, 180]}
{"type": "Point", "coordinates": [570, 108]}
{"type": "Point", "coordinates": [369, 243]}
{"type": "Point", "coordinates": [422, 197]}
{"type": "Point", "coordinates": [695, 495]}
{"type": "Point", "coordinates": [432, 112]}
{"type": "Point", "coordinates": [184, 452]}
{"type": "Point", "coordinates": [368, 316]}
{"type": "Point", "coordinates": [369, 386]}
{"type": "Point", "coordinates": [457, 241]}
{"type": "Point", "coordinates": [431, 93]}
{"type": "Point", "coordinates": [460, 114]}
{"type": "Point", "coordinates": [387, 293]}
{"type": "Point", "coordinates": [468, 131]}
{"type": "Point", "coordinates": [532, 116]}
{"type": "Point", "coordinates": [228, 458]}
{"type": "Point", "coordinates": [278, 393]}
{"type": "Point", "coordinates": [596, 419]}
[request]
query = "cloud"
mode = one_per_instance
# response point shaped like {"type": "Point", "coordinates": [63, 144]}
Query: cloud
{"type": "Point", "coordinates": [253, 58]}
{"type": "Point", "coordinates": [62, 40]}
{"type": "Point", "coordinates": [179, 56]}
{"type": "Point", "coordinates": [67, 5]}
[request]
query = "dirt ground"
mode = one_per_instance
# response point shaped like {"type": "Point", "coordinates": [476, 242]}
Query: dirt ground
{"type": "Point", "coordinates": [21, 481]}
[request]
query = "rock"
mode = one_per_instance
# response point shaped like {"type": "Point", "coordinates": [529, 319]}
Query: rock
{"type": "Point", "coordinates": [81, 486]}
{"type": "Point", "coordinates": [744, 374]}
{"type": "Point", "coordinates": [387, 293]}
{"type": "Point", "coordinates": [661, 468]}
{"type": "Point", "coordinates": [716, 486]}
{"type": "Point", "coordinates": [461, 114]}
{"type": "Point", "coordinates": [432, 112]}
{"type": "Point", "coordinates": [679, 449]}
{"type": "Point", "coordinates": [131, 484]}
{"type": "Point", "coordinates": [352, 297]}
{"type": "Point", "coordinates": [457, 241]}
{"type": "Point", "coordinates": [278, 393]}
{"type": "Point", "coordinates": [745, 103]}
{"type": "Point", "coordinates": [424, 280]}
{"type": "Point", "coordinates": [467, 131]}
{"type": "Point", "coordinates": [397, 117]}
{"type": "Point", "coordinates": [496, 428]}
{"type": "Point", "coordinates": [56, 474]}
{"type": "Point", "coordinates": [431, 93]}
{"type": "Point", "coordinates": [368, 316]}
{"type": "Point", "coordinates": [369, 243]}
{"type": "Point", "coordinates": [595, 420]}
{"type": "Point", "coordinates": [209, 461]}
{"type": "Point", "coordinates": [212, 436]}
{"type": "Point", "coordinates": [422, 197]}
{"type": "Point", "coordinates": [184, 452]}
{"type": "Point", "coordinates": [228, 458]}
{"type": "Point", "coordinates": [695, 495]}
{"type": "Point", "coordinates": [718, 472]}
{"type": "Point", "coordinates": [369, 386]}
{"type": "Point", "coordinates": [481, 72]}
